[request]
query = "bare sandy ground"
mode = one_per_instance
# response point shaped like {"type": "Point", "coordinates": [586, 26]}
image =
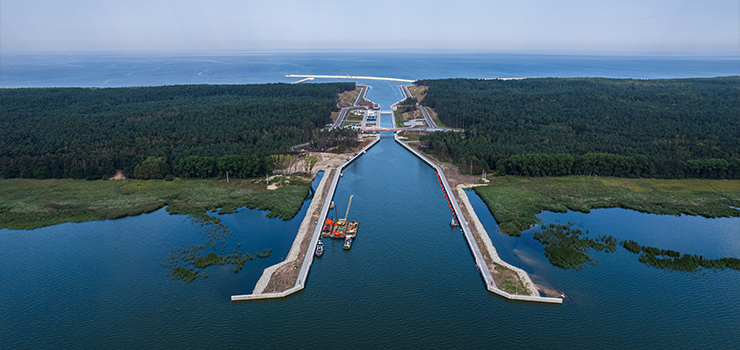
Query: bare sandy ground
{"type": "Point", "coordinates": [118, 176]}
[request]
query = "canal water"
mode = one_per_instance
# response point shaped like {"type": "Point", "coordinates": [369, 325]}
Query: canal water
{"type": "Point", "coordinates": [408, 282]}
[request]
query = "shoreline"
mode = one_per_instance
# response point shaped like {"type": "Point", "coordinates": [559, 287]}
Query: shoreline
{"type": "Point", "coordinates": [481, 232]}
{"type": "Point", "coordinates": [514, 201]}
{"type": "Point", "coordinates": [268, 275]}
{"type": "Point", "coordinates": [296, 267]}
{"type": "Point", "coordinates": [31, 204]}
{"type": "Point", "coordinates": [474, 243]}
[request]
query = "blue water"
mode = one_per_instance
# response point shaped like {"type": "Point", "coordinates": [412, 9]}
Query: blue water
{"type": "Point", "coordinates": [115, 70]}
{"type": "Point", "coordinates": [409, 281]}
{"type": "Point", "coordinates": [111, 70]}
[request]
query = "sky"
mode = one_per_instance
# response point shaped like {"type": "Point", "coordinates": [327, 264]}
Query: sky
{"type": "Point", "coordinates": [653, 26]}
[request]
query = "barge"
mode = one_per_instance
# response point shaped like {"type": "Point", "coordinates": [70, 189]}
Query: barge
{"type": "Point", "coordinates": [342, 228]}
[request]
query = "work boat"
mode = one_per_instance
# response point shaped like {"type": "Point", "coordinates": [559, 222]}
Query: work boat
{"type": "Point", "coordinates": [347, 243]}
{"type": "Point", "coordinates": [319, 248]}
{"type": "Point", "coordinates": [454, 223]}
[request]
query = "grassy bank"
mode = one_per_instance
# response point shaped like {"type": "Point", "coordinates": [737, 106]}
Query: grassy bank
{"type": "Point", "coordinates": [514, 201]}
{"type": "Point", "coordinates": [348, 98]}
{"type": "Point", "coordinates": [28, 204]}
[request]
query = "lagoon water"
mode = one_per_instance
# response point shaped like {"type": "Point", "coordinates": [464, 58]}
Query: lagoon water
{"type": "Point", "coordinates": [409, 280]}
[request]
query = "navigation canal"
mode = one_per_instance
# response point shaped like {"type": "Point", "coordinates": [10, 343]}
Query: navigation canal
{"type": "Point", "coordinates": [408, 282]}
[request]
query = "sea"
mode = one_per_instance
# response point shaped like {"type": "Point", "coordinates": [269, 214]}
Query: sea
{"type": "Point", "coordinates": [409, 280]}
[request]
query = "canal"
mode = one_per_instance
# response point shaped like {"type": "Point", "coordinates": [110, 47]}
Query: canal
{"type": "Point", "coordinates": [408, 282]}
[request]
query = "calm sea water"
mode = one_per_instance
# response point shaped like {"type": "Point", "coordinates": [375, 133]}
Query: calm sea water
{"type": "Point", "coordinates": [409, 281]}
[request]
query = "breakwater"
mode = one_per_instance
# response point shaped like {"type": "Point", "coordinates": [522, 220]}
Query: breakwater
{"type": "Point", "coordinates": [480, 262]}
{"type": "Point", "coordinates": [299, 252]}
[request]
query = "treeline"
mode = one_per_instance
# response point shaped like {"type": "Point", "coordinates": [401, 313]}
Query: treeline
{"type": "Point", "coordinates": [236, 166]}
{"type": "Point", "coordinates": [346, 137]}
{"type": "Point", "coordinates": [91, 133]}
{"type": "Point", "coordinates": [673, 260]}
{"type": "Point", "coordinates": [671, 128]}
{"type": "Point", "coordinates": [467, 148]}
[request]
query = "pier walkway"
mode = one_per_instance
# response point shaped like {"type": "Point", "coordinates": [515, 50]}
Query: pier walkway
{"type": "Point", "coordinates": [295, 251]}
{"type": "Point", "coordinates": [347, 77]}
{"type": "Point", "coordinates": [302, 80]}
{"type": "Point", "coordinates": [472, 244]}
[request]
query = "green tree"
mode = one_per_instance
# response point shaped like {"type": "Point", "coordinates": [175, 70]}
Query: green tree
{"type": "Point", "coordinates": [151, 168]}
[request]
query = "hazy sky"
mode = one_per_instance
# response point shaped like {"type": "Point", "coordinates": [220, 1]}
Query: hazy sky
{"type": "Point", "coordinates": [203, 25]}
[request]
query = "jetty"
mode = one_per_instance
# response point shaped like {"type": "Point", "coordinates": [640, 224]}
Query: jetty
{"type": "Point", "coordinates": [296, 266]}
{"type": "Point", "coordinates": [480, 261]}
{"type": "Point", "coordinates": [347, 77]}
{"type": "Point", "coordinates": [302, 80]}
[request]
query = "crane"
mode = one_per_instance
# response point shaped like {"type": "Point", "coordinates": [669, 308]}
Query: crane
{"type": "Point", "coordinates": [350, 203]}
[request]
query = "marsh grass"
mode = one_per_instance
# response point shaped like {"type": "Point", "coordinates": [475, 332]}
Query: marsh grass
{"type": "Point", "coordinates": [514, 201]}
{"type": "Point", "coordinates": [673, 260]}
{"type": "Point", "coordinates": [188, 263]}
{"type": "Point", "coordinates": [566, 246]}
{"type": "Point", "coordinates": [29, 204]}
{"type": "Point", "coordinates": [265, 253]}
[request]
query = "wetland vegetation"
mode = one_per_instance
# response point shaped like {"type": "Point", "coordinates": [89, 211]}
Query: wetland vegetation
{"type": "Point", "coordinates": [566, 246]}
{"type": "Point", "coordinates": [188, 263]}
{"type": "Point", "coordinates": [673, 260]}
{"type": "Point", "coordinates": [514, 201]}
{"type": "Point", "coordinates": [28, 204]}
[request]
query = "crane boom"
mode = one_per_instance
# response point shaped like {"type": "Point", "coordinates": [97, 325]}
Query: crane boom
{"type": "Point", "coordinates": [350, 203]}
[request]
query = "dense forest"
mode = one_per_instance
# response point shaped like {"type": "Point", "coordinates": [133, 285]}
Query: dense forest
{"type": "Point", "coordinates": [151, 132]}
{"type": "Point", "coordinates": [668, 128]}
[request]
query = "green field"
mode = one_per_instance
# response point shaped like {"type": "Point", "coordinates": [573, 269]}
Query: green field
{"type": "Point", "coordinates": [28, 204]}
{"type": "Point", "coordinates": [514, 201]}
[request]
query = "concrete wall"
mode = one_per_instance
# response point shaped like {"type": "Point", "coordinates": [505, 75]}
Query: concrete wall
{"type": "Point", "coordinates": [308, 259]}
{"type": "Point", "coordinates": [477, 255]}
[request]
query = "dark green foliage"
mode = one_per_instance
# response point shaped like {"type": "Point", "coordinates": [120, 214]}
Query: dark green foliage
{"type": "Point", "coordinates": [673, 260]}
{"type": "Point", "coordinates": [151, 168]}
{"type": "Point", "coordinates": [210, 259]}
{"type": "Point", "coordinates": [187, 274]}
{"type": "Point", "coordinates": [688, 262]}
{"type": "Point", "coordinates": [8, 173]}
{"type": "Point", "coordinates": [39, 173]}
{"type": "Point", "coordinates": [409, 101]}
{"type": "Point", "coordinates": [265, 253]}
{"type": "Point", "coordinates": [632, 246]}
{"type": "Point", "coordinates": [611, 127]}
{"type": "Point", "coordinates": [195, 166]}
{"type": "Point", "coordinates": [610, 243]}
{"type": "Point", "coordinates": [238, 166]}
{"type": "Point", "coordinates": [77, 173]}
{"type": "Point", "coordinates": [87, 133]}
{"type": "Point", "coordinates": [566, 246]}
{"type": "Point", "coordinates": [709, 168]}
{"type": "Point", "coordinates": [193, 257]}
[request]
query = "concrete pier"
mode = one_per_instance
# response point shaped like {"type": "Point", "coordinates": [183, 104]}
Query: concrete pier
{"type": "Point", "coordinates": [472, 244]}
{"type": "Point", "coordinates": [302, 80]}
{"type": "Point", "coordinates": [346, 77]}
{"type": "Point", "coordinates": [332, 179]}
